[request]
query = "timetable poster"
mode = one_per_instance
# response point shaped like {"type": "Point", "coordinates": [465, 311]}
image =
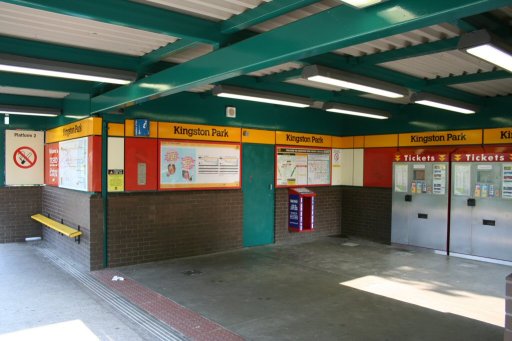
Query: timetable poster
{"type": "Point", "coordinates": [73, 164]}
{"type": "Point", "coordinates": [189, 165]}
{"type": "Point", "coordinates": [300, 167]}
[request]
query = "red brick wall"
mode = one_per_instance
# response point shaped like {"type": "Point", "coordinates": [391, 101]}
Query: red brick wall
{"type": "Point", "coordinates": [17, 204]}
{"type": "Point", "coordinates": [74, 208]}
{"type": "Point", "coordinates": [152, 226]}
{"type": "Point", "coordinates": [327, 214]}
{"type": "Point", "coordinates": [366, 213]}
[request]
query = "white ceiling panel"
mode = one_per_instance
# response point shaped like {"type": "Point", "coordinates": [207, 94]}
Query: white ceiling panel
{"type": "Point", "coordinates": [32, 24]}
{"type": "Point", "coordinates": [184, 55]}
{"type": "Point", "coordinates": [276, 69]}
{"type": "Point", "coordinates": [214, 10]}
{"type": "Point", "coordinates": [498, 87]}
{"type": "Point", "coordinates": [441, 64]}
{"type": "Point", "coordinates": [398, 41]}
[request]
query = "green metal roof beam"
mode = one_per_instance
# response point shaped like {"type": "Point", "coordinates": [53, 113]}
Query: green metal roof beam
{"type": "Point", "coordinates": [332, 29]}
{"type": "Point", "coordinates": [469, 78]}
{"type": "Point", "coordinates": [18, 80]}
{"type": "Point", "coordinates": [34, 49]}
{"type": "Point", "coordinates": [262, 13]}
{"type": "Point", "coordinates": [134, 15]}
{"type": "Point", "coordinates": [161, 53]}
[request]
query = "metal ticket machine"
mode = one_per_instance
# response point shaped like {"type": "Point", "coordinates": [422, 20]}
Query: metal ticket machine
{"type": "Point", "coordinates": [481, 205]}
{"type": "Point", "coordinates": [420, 200]}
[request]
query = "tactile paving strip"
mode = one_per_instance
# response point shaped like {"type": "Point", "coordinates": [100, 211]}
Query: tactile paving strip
{"type": "Point", "coordinates": [191, 324]}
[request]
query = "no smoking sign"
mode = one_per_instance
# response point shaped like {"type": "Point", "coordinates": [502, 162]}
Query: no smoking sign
{"type": "Point", "coordinates": [25, 157]}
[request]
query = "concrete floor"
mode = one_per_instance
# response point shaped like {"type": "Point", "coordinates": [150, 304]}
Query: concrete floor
{"type": "Point", "coordinates": [328, 289]}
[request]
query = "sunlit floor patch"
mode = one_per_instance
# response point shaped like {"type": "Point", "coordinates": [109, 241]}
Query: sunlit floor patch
{"type": "Point", "coordinates": [74, 330]}
{"type": "Point", "coordinates": [435, 296]}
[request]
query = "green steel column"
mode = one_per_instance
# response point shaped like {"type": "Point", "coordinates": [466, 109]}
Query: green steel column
{"type": "Point", "coordinates": [104, 189]}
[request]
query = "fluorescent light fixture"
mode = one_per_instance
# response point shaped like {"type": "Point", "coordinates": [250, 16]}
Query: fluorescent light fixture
{"type": "Point", "coordinates": [355, 111]}
{"type": "Point", "coordinates": [483, 45]}
{"type": "Point", "coordinates": [40, 67]}
{"type": "Point", "coordinates": [362, 3]}
{"type": "Point", "coordinates": [29, 111]}
{"type": "Point", "coordinates": [261, 96]}
{"type": "Point", "coordinates": [352, 81]}
{"type": "Point", "coordinates": [78, 117]}
{"type": "Point", "coordinates": [443, 103]}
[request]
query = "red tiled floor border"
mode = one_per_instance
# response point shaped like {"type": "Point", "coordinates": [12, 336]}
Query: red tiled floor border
{"type": "Point", "coordinates": [191, 324]}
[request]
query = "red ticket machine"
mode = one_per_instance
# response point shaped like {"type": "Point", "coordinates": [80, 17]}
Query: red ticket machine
{"type": "Point", "coordinates": [301, 208]}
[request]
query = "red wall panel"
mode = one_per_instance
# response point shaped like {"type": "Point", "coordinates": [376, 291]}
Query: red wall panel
{"type": "Point", "coordinates": [51, 164]}
{"type": "Point", "coordinates": [378, 164]}
{"type": "Point", "coordinates": [94, 156]}
{"type": "Point", "coordinates": [140, 150]}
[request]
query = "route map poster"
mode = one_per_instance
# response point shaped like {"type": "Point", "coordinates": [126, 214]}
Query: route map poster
{"type": "Point", "coordinates": [73, 165]}
{"type": "Point", "coordinates": [196, 165]}
{"type": "Point", "coordinates": [302, 166]}
{"type": "Point", "coordinates": [24, 157]}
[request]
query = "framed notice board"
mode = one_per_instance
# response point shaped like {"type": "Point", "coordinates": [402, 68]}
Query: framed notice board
{"type": "Point", "coordinates": [302, 166]}
{"type": "Point", "coordinates": [199, 165]}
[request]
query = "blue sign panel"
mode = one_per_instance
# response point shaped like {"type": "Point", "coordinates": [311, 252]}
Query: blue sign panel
{"type": "Point", "coordinates": [294, 220]}
{"type": "Point", "coordinates": [142, 127]}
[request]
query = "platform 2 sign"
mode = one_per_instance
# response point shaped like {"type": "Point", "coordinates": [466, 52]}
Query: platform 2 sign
{"type": "Point", "coordinates": [24, 157]}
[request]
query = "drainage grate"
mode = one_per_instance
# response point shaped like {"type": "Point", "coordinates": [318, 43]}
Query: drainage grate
{"type": "Point", "coordinates": [156, 328]}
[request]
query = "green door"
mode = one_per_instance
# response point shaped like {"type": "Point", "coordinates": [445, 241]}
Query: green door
{"type": "Point", "coordinates": [258, 188]}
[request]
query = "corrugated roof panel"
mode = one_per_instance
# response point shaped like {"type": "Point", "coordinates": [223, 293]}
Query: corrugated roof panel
{"type": "Point", "coordinates": [32, 92]}
{"type": "Point", "coordinates": [276, 69]}
{"type": "Point", "coordinates": [498, 87]}
{"type": "Point", "coordinates": [184, 55]}
{"type": "Point", "coordinates": [441, 64]}
{"type": "Point", "coordinates": [33, 24]}
{"type": "Point", "coordinates": [202, 88]}
{"type": "Point", "coordinates": [214, 10]}
{"type": "Point", "coordinates": [295, 15]}
{"type": "Point", "coordinates": [398, 41]}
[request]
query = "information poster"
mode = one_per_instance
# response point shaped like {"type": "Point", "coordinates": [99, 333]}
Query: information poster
{"type": "Point", "coordinates": [462, 180]}
{"type": "Point", "coordinates": [115, 162]}
{"type": "Point", "coordinates": [199, 165]}
{"type": "Point", "coordinates": [300, 167]}
{"type": "Point", "coordinates": [507, 181]}
{"type": "Point", "coordinates": [336, 167]}
{"type": "Point", "coordinates": [439, 179]}
{"type": "Point", "coordinates": [401, 178]}
{"type": "Point", "coordinates": [24, 157]}
{"type": "Point", "coordinates": [73, 165]}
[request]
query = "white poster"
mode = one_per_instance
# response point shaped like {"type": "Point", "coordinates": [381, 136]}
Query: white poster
{"type": "Point", "coordinates": [439, 179]}
{"type": "Point", "coordinates": [462, 179]}
{"type": "Point", "coordinates": [73, 165]}
{"type": "Point", "coordinates": [336, 167]}
{"type": "Point", "coordinates": [506, 192]}
{"type": "Point", "coordinates": [115, 174]}
{"type": "Point", "coordinates": [401, 178]}
{"type": "Point", "coordinates": [299, 167]}
{"type": "Point", "coordinates": [24, 157]}
{"type": "Point", "coordinates": [199, 165]}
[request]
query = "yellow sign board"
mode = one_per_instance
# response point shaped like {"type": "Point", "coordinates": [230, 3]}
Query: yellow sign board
{"type": "Point", "coordinates": [441, 138]}
{"type": "Point", "coordinates": [359, 141]}
{"type": "Point", "coordinates": [258, 136]}
{"type": "Point", "coordinates": [115, 129]}
{"type": "Point", "coordinates": [375, 141]}
{"type": "Point", "coordinates": [346, 142]}
{"type": "Point", "coordinates": [86, 127]}
{"type": "Point", "coordinates": [498, 136]}
{"type": "Point", "coordinates": [302, 139]}
{"type": "Point", "coordinates": [198, 132]}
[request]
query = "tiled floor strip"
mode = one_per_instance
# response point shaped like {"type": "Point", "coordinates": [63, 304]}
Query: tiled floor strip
{"type": "Point", "coordinates": [187, 322]}
{"type": "Point", "coordinates": [158, 329]}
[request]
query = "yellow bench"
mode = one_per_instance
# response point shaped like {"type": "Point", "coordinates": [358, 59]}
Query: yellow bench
{"type": "Point", "coordinates": [59, 227]}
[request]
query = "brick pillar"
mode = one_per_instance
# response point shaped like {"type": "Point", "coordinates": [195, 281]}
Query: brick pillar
{"type": "Point", "coordinates": [508, 309]}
